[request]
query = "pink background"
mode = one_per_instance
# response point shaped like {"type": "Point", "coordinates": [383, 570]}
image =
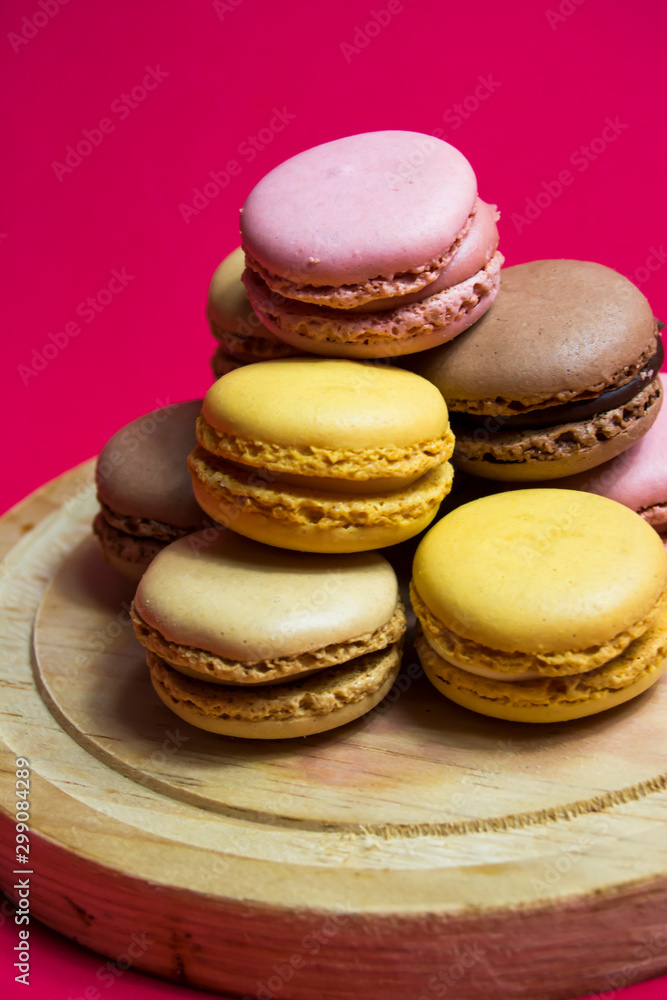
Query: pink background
{"type": "Point", "coordinates": [536, 85]}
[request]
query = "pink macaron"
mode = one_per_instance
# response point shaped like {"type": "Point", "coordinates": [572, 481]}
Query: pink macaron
{"type": "Point", "coordinates": [375, 245]}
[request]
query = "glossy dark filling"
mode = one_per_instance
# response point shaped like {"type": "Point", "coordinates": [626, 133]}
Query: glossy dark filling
{"type": "Point", "coordinates": [564, 413]}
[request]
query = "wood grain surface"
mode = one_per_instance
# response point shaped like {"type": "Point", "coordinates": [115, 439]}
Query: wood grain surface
{"type": "Point", "coordinates": [420, 852]}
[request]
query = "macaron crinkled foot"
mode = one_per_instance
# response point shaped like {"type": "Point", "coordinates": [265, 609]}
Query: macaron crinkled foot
{"type": "Point", "coordinates": [554, 608]}
{"type": "Point", "coordinates": [322, 455]}
{"type": "Point", "coordinates": [247, 640]}
{"type": "Point", "coordinates": [558, 377]}
{"type": "Point", "coordinates": [374, 245]}
{"type": "Point", "coordinates": [144, 488]}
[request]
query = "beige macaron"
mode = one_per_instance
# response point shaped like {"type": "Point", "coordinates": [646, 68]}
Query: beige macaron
{"type": "Point", "coordinates": [248, 640]}
{"type": "Point", "coordinates": [243, 338]}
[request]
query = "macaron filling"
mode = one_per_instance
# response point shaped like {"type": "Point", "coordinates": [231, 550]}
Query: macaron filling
{"type": "Point", "coordinates": [216, 481]}
{"type": "Point", "coordinates": [374, 469]}
{"type": "Point", "coordinates": [564, 413]}
{"type": "Point", "coordinates": [562, 449]}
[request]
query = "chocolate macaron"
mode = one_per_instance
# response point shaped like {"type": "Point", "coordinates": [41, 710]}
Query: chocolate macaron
{"type": "Point", "coordinates": [370, 246]}
{"type": "Point", "coordinates": [248, 640]}
{"type": "Point", "coordinates": [558, 377]}
{"type": "Point", "coordinates": [144, 487]}
{"type": "Point", "coordinates": [243, 338]}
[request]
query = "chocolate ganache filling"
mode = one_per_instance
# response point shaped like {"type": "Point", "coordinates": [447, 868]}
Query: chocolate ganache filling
{"type": "Point", "coordinates": [565, 413]}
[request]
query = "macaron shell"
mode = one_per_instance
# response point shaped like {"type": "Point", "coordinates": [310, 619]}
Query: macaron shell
{"type": "Point", "coordinates": [142, 470]}
{"type": "Point", "coordinates": [407, 329]}
{"type": "Point", "coordinates": [314, 705]}
{"type": "Point", "coordinates": [562, 451]}
{"type": "Point", "coordinates": [326, 404]}
{"type": "Point", "coordinates": [462, 688]}
{"type": "Point", "coordinates": [314, 521]}
{"type": "Point", "coordinates": [542, 571]}
{"type": "Point", "coordinates": [249, 602]}
{"type": "Point", "coordinates": [474, 252]}
{"type": "Point", "coordinates": [373, 204]}
{"type": "Point", "coordinates": [557, 329]}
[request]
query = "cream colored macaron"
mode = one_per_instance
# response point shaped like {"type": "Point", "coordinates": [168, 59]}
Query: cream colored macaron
{"type": "Point", "coordinates": [323, 455]}
{"type": "Point", "coordinates": [260, 630]}
{"type": "Point", "coordinates": [541, 605]}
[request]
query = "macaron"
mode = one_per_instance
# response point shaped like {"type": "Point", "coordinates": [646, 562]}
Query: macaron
{"type": "Point", "coordinates": [558, 377]}
{"type": "Point", "coordinates": [144, 487]}
{"type": "Point", "coordinates": [554, 606]}
{"type": "Point", "coordinates": [322, 455]}
{"type": "Point", "coordinates": [243, 338]}
{"type": "Point", "coordinates": [247, 640]}
{"type": "Point", "coordinates": [374, 245]}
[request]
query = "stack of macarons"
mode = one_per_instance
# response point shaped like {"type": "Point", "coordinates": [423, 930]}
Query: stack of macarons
{"type": "Point", "coordinates": [364, 308]}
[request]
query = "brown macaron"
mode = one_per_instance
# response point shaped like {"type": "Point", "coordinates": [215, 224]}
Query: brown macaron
{"type": "Point", "coordinates": [145, 489]}
{"type": "Point", "coordinates": [557, 377]}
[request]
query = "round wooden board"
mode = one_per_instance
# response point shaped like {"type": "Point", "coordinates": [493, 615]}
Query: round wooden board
{"type": "Point", "coordinates": [420, 852]}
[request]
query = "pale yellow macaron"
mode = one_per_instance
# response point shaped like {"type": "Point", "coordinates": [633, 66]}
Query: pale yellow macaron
{"type": "Point", "coordinates": [541, 605]}
{"type": "Point", "coordinates": [243, 338]}
{"type": "Point", "coordinates": [247, 640]}
{"type": "Point", "coordinates": [323, 455]}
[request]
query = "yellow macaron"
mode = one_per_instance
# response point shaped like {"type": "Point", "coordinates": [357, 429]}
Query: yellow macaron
{"type": "Point", "coordinates": [247, 640]}
{"type": "Point", "coordinates": [323, 455]}
{"type": "Point", "coordinates": [541, 605]}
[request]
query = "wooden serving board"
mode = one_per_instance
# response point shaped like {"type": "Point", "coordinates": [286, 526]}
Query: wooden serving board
{"type": "Point", "coordinates": [420, 852]}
